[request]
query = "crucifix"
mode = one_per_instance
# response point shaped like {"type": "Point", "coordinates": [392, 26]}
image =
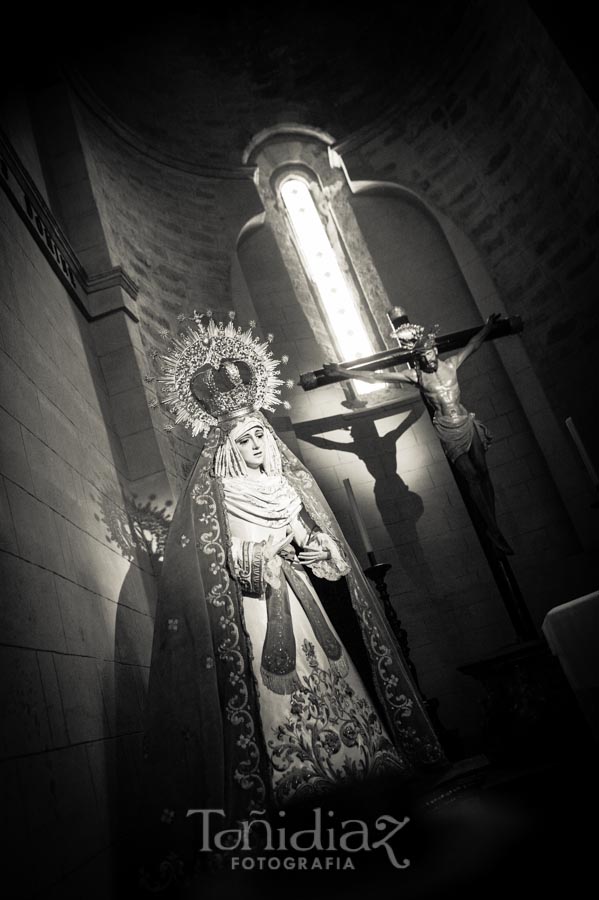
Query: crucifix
{"type": "Point", "coordinates": [463, 438]}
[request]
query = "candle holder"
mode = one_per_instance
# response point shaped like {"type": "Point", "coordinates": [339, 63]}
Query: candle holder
{"type": "Point", "coordinates": [376, 572]}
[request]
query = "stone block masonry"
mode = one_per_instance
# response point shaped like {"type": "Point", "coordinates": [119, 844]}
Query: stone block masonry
{"type": "Point", "coordinates": [78, 595]}
{"type": "Point", "coordinates": [510, 119]}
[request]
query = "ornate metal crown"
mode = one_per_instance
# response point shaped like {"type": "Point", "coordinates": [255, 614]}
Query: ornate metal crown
{"type": "Point", "coordinates": [213, 372]}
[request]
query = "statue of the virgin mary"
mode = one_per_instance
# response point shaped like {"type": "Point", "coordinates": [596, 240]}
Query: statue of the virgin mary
{"type": "Point", "coordinates": [254, 702]}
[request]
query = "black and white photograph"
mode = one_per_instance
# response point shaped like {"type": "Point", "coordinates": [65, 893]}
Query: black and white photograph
{"type": "Point", "coordinates": [299, 491]}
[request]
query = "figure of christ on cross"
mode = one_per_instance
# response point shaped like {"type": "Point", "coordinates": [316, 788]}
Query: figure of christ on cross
{"type": "Point", "coordinates": [464, 439]}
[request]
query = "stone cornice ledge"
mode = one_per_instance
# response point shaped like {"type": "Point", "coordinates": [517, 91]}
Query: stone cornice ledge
{"type": "Point", "coordinates": [116, 277]}
{"type": "Point", "coordinates": [120, 291]}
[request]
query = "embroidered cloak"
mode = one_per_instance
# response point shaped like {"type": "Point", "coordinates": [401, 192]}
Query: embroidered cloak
{"type": "Point", "coordinates": [204, 744]}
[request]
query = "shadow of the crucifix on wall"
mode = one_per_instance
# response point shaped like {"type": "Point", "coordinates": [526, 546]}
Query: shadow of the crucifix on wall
{"type": "Point", "coordinates": [413, 588]}
{"type": "Point", "coordinates": [399, 507]}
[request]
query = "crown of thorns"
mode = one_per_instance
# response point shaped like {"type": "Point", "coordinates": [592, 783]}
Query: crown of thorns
{"type": "Point", "coordinates": [415, 338]}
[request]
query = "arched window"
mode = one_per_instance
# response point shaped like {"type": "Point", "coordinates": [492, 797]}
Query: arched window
{"type": "Point", "coordinates": [331, 284]}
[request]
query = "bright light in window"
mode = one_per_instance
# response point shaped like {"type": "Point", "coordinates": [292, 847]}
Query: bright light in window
{"type": "Point", "coordinates": [349, 334]}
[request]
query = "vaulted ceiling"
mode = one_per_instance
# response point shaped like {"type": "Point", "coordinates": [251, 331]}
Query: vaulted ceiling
{"type": "Point", "coordinates": [200, 85]}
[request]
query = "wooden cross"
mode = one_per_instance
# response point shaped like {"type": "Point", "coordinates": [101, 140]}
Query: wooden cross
{"type": "Point", "coordinates": [395, 357]}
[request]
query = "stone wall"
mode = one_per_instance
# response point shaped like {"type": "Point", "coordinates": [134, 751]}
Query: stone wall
{"type": "Point", "coordinates": [78, 588]}
{"type": "Point", "coordinates": [501, 138]}
{"type": "Point", "coordinates": [174, 229]}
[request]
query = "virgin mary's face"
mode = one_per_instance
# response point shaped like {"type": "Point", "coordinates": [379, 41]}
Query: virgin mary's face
{"type": "Point", "coordinates": [251, 446]}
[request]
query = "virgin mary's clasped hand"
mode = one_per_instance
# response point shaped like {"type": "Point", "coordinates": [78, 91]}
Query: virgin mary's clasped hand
{"type": "Point", "coordinates": [306, 556]}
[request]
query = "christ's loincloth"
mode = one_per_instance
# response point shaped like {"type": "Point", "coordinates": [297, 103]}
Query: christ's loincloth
{"type": "Point", "coordinates": [456, 434]}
